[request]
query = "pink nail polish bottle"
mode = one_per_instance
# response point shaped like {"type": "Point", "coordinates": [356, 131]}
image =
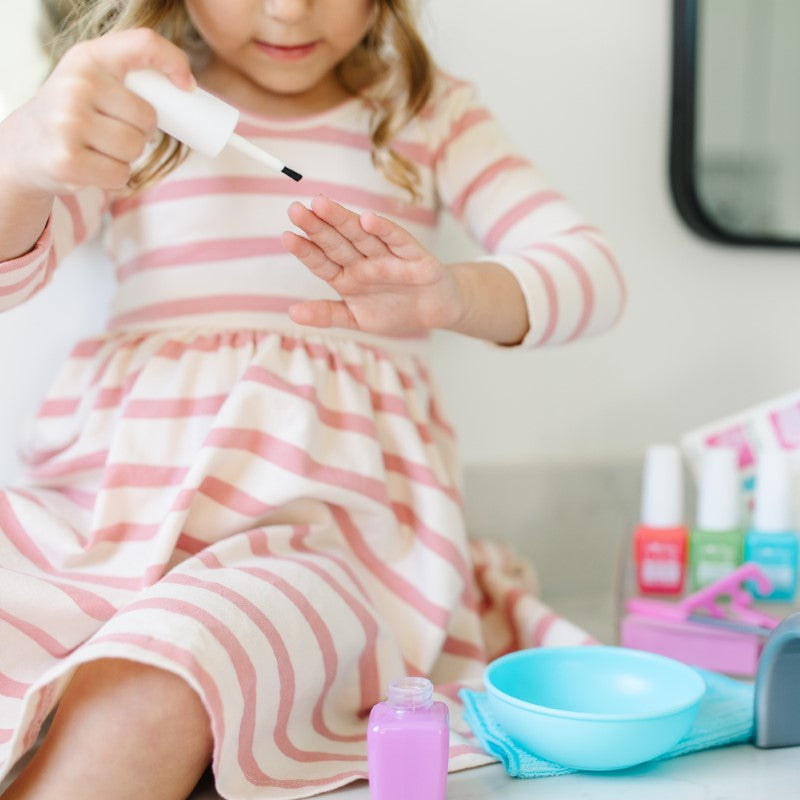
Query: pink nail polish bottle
{"type": "Point", "coordinates": [407, 743]}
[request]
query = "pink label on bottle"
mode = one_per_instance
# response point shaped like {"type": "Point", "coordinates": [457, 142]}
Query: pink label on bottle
{"type": "Point", "coordinates": [661, 573]}
{"type": "Point", "coordinates": [739, 439]}
{"type": "Point", "coordinates": [662, 550]}
{"type": "Point", "coordinates": [662, 563]}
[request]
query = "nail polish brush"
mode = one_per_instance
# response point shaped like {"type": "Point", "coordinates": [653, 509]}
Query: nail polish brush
{"type": "Point", "coordinates": [198, 119]}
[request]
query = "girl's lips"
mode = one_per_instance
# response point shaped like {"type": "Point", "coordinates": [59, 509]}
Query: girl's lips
{"type": "Point", "coordinates": [287, 52]}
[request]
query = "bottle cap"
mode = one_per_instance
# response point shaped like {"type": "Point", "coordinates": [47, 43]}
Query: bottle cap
{"type": "Point", "coordinates": [662, 487]}
{"type": "Point", "coordinates": [410, 693]}
{"type": "Point", "coordinates": [719, 490]}
{"type": "Point", "coordinates": [773, 497]}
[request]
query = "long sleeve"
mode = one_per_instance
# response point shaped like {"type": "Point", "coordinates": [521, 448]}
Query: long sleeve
{"type": "Point", "coordinates": [73, 220]}
{"type": "Point", "coordinates": [567, 272]}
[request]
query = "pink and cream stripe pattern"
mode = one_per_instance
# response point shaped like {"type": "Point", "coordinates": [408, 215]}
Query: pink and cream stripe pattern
{"type": "Point", "coordinates": [273, 513]}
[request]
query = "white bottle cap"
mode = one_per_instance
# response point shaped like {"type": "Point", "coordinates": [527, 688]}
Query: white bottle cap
{"type": "Point", "coordinates": [773, 498]}
{"type": "Point", "coordinates": [719, 490]}
{"type": "Point", "coordinates": [196, 118]}
{"type": "Point", "coordinates": [662, 487]}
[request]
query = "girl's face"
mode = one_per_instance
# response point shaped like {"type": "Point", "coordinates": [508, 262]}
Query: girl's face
{"type": "Point", "coordinates": [279, 53]}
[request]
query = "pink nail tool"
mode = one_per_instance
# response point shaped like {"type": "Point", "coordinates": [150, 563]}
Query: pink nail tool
{"type": "Point", "coordinates": [715, 628]}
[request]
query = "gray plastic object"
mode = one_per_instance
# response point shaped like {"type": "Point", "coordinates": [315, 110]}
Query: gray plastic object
{"type": "Point", "coordinates": [777, 693]}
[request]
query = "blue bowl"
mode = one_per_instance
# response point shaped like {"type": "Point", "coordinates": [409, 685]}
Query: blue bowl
{"type": "Point", "coordinates": [593, 708]}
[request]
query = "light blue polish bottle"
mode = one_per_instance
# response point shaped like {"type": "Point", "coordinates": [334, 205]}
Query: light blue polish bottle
{"type": "Point", "coordinates": [771, 543]}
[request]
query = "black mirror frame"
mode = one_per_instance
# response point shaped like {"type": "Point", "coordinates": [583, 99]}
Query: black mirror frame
{"type": "Point", "coordinates": [682, 171]}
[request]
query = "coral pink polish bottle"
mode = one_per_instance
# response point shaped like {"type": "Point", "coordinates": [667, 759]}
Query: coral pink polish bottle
{"type": "Point", "coordinates": [407, 743]}
{"type": "Point", "coordinates": [661, 540]}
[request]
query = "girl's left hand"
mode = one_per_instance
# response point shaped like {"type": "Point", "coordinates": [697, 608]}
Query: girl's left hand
{"type": "Point", "coordinates": [388, 282]}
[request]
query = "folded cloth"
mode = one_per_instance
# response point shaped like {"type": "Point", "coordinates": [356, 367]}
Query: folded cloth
{"type": "Point", "coordinates": [725, 717]}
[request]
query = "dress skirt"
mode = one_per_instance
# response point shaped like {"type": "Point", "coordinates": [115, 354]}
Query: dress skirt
{"type": "Point", "coordinates": [275, 518]}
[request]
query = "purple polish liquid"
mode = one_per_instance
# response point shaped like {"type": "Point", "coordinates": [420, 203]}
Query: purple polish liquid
{"type": "Point", "coordinates": [407, 743]}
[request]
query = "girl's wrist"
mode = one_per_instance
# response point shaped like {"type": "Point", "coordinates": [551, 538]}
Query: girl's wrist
{"type": "Point", "coordinates": [490, 303]}
{"type": "Point", "coordinates": [24, 207]}
{"type": "Point", "coordinates": [15, 179]}
{"type": "Point", "coordinates": [459, 312]}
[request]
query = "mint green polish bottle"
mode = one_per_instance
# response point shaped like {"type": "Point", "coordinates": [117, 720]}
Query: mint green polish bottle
{"type": "Point", "coordinates": [716, 543]}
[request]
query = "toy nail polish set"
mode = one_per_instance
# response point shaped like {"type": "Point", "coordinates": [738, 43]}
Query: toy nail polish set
{"type": "Point", "coordinates": [724, 564]}
{"type": "Point", "coordinates": [666, 553]}
{"type": "Point", "coordinates": [766, 440]}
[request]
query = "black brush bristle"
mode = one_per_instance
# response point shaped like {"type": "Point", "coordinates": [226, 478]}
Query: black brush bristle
{"type": "Point", "coordinates": [295, 176]}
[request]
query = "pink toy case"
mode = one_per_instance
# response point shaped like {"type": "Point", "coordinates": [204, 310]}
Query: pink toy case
{"type": "Point", "coordinates": [714, 628]}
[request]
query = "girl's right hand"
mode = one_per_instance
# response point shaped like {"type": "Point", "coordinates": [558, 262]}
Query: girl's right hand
{"type": "Point", "coordinates": [84, 127]}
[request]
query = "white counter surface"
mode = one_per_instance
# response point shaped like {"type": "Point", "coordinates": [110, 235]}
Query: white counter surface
{"type": "Point", "coordinates": [738, 772]}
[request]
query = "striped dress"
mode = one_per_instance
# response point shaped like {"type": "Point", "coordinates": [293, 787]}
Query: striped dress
{"type": "Point", "coordinates": [272, 512]}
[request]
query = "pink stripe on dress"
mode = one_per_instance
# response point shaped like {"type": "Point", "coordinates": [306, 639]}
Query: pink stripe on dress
{"type": "Point", "coordinates": [62, 469]}
{"type": "Point", "coordinates": [88, 348]}
{"type": "Point", "coordinates": [174, 408]}
{"type": "Point", "coordinates": [463, 649]}
{"type": "Point", "coordinates": [404, 589]}
{"type": "Point", "coordinates": [267, 304]}
{"type": "Point", "coordinates": [73, 207]}
{"type": "Point", "coordinates": [325, 643]}
{"type": "Point", "coordinates": [369, 673]}
{"type": "Point", "coordinates": [543, 625]}
{"type": "Point", "coordinates": [322, 134]}
{"type": "Point", "coordinates": [609, 256]}
{"type": "Point", "coordinates": [47, 642]}
{"type": "Point", "coordinates": [22, 284]}
{"type": "Point", "coordinates": [340, 420]}
{"type": "Point", "coordinates": [124, 532]}
{"type": "Point", "coordinates": [234, 184]}
{"type": "Point", "coordinates": [485, 177]}
{"type": "Point", "coordinates": [59, 407]}
{"type": "Point", "coordinates": [516, 213]}
{"type": "Point", "coordinates": [11, 688]}
{"type": "Point", "coordinates": [142, 475]}
{"type": "Point", "coordinates": [325, 134]}
{"type": "Point", "coordinates": [89, 603]}
{"type": "Point", "coordinates": [201, 252]}
{"type": "Point", "coordinates": [42, 246]}
{"type": "Point", "coordinates": [442, 546]}
{"type": "Point", "coordinates": [246, 673]}
{"type": "Point", "coordinates": [235, 499]}
{"type": "Point", "coordinates": [552, 301]}
{"type": "Point", "coordinates": [584, 281]}
{"type": "Point", "coordinates": [418, 473]}
{"type": "Point", "coordinates": [470, 118]}
{"type": "Point", "coordinates": [296, 460]}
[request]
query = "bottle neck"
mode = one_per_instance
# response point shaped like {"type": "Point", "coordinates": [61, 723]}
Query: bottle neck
{"type": "Point", "coordinates": [408, 694]}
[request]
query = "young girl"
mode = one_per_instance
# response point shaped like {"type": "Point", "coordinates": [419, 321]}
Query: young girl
{"type": "Point", "coordinates": [241, 516]}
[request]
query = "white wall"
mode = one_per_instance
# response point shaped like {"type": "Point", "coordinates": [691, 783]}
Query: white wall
{"type": "Point", "coordinates": [583, 87]}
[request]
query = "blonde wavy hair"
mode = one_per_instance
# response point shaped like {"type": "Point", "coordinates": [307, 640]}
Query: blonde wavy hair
{"type": "Point", "coordinates": [392, 56]}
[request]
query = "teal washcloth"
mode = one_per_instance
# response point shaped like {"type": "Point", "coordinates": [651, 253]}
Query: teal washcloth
{"type": "Point", "coordinates": [725, 717]}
